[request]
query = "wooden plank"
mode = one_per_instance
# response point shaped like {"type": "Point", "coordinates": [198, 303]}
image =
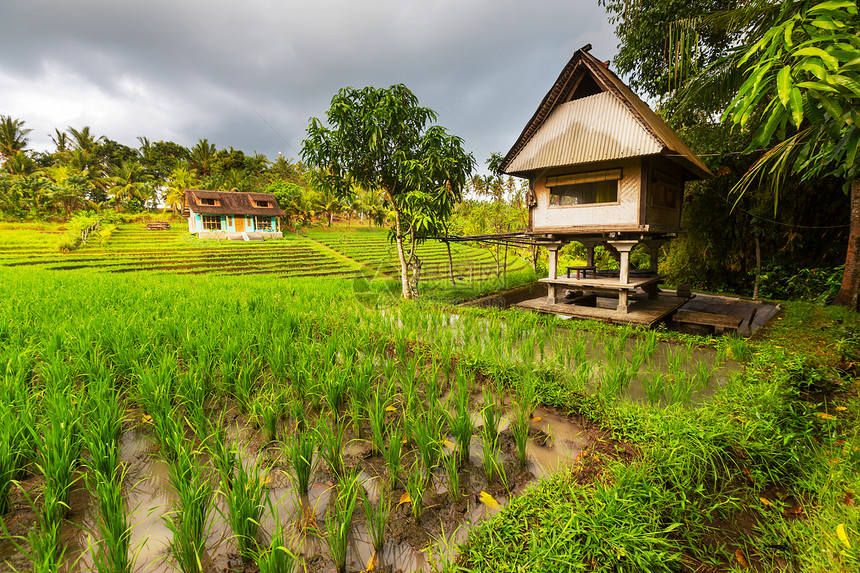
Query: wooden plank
{"type": "Point", "coordinates": [708, 319]}
{"type": "Point", "coordinates": [647, 312]}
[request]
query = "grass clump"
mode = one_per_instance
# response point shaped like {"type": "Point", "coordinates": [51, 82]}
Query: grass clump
{"type": "Point", "coordinates": [377, 518]}
{"type": "Point", "coordinates": [338, 522]}
{"type": "Point", "coordinates": [244, 493]}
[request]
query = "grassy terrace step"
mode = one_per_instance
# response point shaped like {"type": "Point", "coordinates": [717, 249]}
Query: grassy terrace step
{"type": "Point", "coordinates": [168, 256]}
{"type": "Point", "coordinates": [320, 253]}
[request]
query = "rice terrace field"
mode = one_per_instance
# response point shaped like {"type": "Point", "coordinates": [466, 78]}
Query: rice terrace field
{"type": "Point", "coordinates": [171, 404]}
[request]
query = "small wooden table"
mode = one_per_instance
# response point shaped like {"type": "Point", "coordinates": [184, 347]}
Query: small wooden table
{"type": "Point", "coordinates": [582, 272]}
{"type": "Point", "coordinates": [605, 285]}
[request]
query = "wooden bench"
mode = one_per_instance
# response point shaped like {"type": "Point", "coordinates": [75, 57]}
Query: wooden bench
{"type": "Point", "coordinates": [719, 322]}
{"type": "Point", "coordinates": [582, 272]}
{"type": "Point", "coordinates": [158, 226]}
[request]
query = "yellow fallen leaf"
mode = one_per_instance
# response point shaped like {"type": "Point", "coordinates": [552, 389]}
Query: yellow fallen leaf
{"type": "Point", "coordinates": [371, 563]}
{"type": "Point", "coordinates": [740, 558]}
{"type": "Point", "coordinates": [841, 408]}
{"type": "Point", "coordinates": [404, 499]}
{"type": "Point", "coordinates": [146, 419]}
{"type": "Point", "coordinates": [766, 501]}
{"type": "Point", "coordinates": [391, 408]}
{"type": "Point", "coordinates": [825, 416]}
{"type": "Point", "coordinates": [449, 444]}
{"type": "Point", "coordinates": [487, 499]}
{"type": "Point", "coordinates": [537, 419]}
{"type": "Point", "coordinates": [843, 537]}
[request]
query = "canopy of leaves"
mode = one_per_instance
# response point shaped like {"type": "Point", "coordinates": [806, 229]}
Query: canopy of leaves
{"type": "Point", "coordinates": [381, 139]}
{"type": "Point", "coordinates": [803, 81]}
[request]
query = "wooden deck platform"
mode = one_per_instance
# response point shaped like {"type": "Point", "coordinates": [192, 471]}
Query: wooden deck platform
{"type": "Point", "coordinates": [644, 312]}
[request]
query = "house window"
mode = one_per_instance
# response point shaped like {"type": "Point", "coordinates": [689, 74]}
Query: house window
{"type": "Point", "coordinates": [210, 202]}
{"type": "Point", "coordinates": [584, 188]}
{"type": "Point", "coordinates": [263, 223]}
{"type": "Point", "coordinates": [211, 222]}
{"type": "Point", "coordinates": [262, 204]}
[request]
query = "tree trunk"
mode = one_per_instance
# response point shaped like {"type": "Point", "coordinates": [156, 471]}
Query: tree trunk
{"type": "Point", "coordinates": [757, 266]}
{"type": "Point", "coordinates": [847, 295]}
{"type": "Point", "coordinates": [450, 261]}
{"type": "Point", "coordinates": [398, 240]}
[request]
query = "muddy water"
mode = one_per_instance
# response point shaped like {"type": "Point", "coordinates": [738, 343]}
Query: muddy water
{"type": "Point", "coordinates": [561, 446]}
{"type": "Point", "coordinates": [149, 497]}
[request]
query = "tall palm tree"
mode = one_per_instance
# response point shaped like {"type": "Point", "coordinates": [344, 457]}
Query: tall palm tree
{"type": "Point", "coordinates": [13, 136]}
{"type": "Point", "coordinates": [19, 163]}
{"type": "Point", "coordinates": [130, 182]}
{"type": "Point", "coordinates": [61, 140]}
{"type": "Point", "coordinates": [235, 180]}
{"type": "Point", "coordinates": [84, 139]}
{"type": "Point", "coordinates": [201, 157]}
{"type": "Point", "coordinates": [181, 178]}
{"type": "Point", "coordinates": [328, 203]}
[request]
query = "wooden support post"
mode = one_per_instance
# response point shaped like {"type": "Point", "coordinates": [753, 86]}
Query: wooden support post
{"type": "Point", "coordinates": [553, 271]}
{"type": "Point", "coordinates": [623, 248]}
{"type": "Point", "coordinates": [553, 259]}
{"type": "Point", "coordinates": [622, 300]}
{"type": "Point", "coordinates": [624, 267]}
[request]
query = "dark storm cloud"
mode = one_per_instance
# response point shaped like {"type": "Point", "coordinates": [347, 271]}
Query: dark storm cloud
{"type": "Point", "coordinates": [250, 74]}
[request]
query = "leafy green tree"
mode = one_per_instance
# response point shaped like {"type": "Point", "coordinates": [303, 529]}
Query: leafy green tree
{"type": "Point", "coordinates": [69, 187]}
{"type": "Point", "coordinates": [290, 198]}
{"type": "Point", "coordinates": [803, 81]}
{"type": "Point", "coordinates": [381, 139]}
{"type": "Point", "coordinates": [13, 136]}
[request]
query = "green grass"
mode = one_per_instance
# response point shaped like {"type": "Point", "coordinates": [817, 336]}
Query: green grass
{"type": "Point", "coordinates": [677, 483]}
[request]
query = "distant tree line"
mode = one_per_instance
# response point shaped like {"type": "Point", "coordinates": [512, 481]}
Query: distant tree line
{"type": "Point", "coordinates": [87, 171]}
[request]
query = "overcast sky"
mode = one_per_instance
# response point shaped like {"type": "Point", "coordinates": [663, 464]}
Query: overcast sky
{"type": "Point", "coordinates": [249, 74]}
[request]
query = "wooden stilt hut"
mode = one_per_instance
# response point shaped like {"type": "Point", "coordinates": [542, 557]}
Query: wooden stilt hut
{"type": "Point", "coordinates": [603, 168]}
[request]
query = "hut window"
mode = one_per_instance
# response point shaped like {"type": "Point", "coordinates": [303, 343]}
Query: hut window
{"type": "Point", "coordinates": [212, 222]}
{"type": "Point", "coordinates": [584, 188]}
{"type": "Point", "coordinates": [263, 223]}
{"type": "Point", "coordinates": [262, 204]}
{"type": "Point", "coordinates": [210, 202]}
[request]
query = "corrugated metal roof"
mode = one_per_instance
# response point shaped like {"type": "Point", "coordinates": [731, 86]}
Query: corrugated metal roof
{"type": "Point", "coordinates": [614, 139]}
{"type": "Point", "coordinates": [663, 131]}
{"type": "Point", "coordinates": [594, 128]}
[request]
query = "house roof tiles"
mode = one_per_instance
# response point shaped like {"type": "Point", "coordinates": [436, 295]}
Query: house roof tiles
{"type": "Point", "coordinates": [232, 203]}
